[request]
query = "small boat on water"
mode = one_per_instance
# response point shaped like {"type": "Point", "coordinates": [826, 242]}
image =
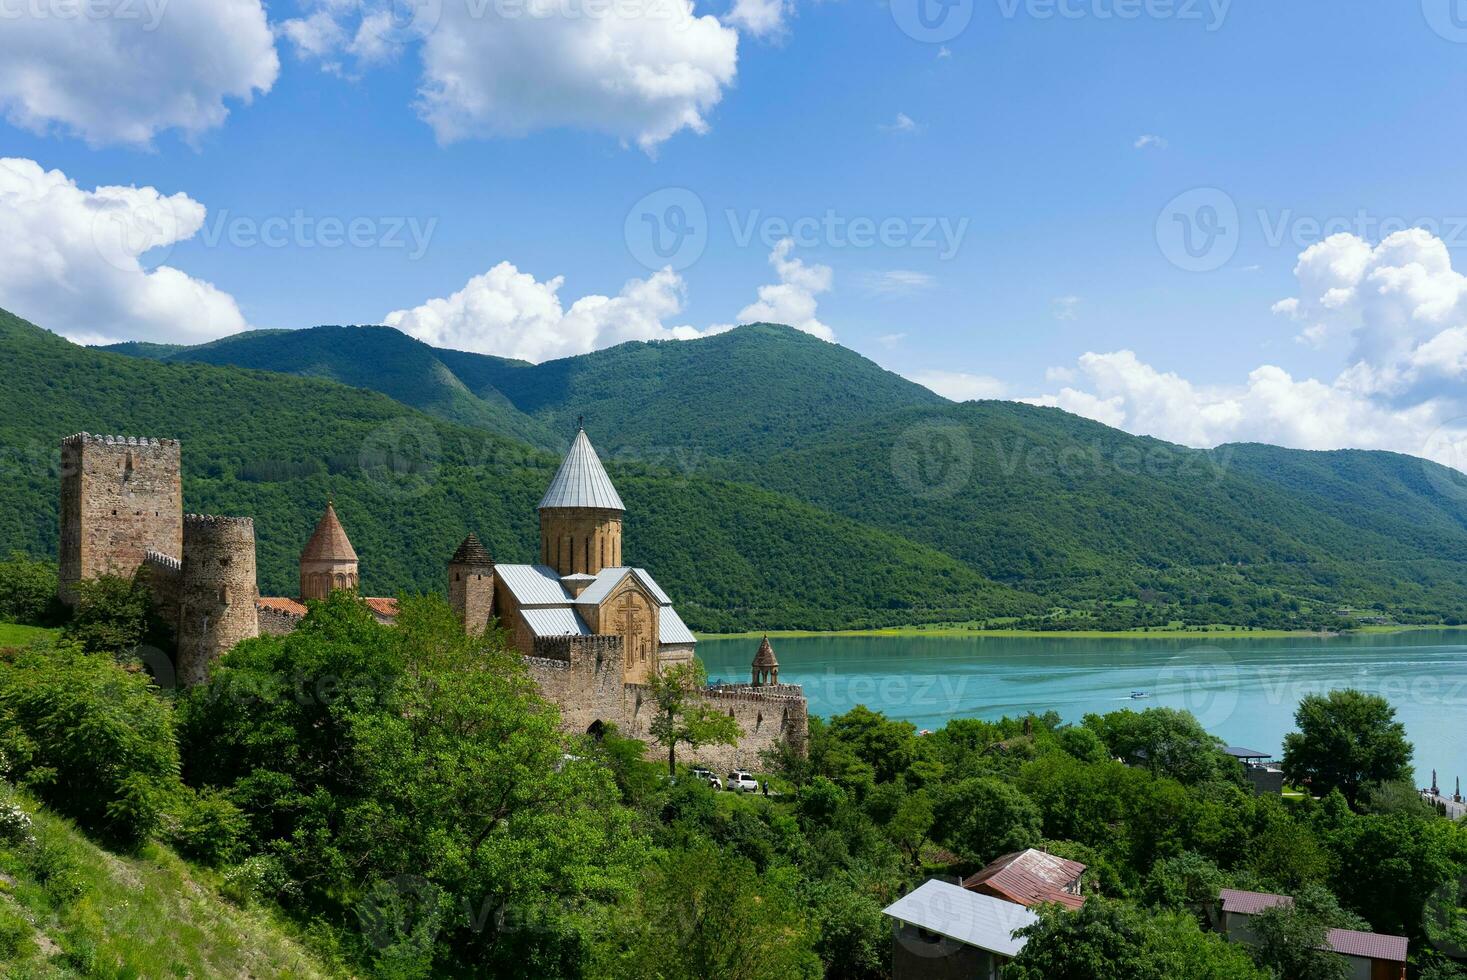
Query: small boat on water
{"type": "Point", "coordinates": [1138, 695]}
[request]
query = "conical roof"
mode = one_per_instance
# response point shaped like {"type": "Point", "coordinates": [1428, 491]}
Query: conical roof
{"type": "Point", "coordinates": [581, 480]}
{"type": "Point", "coordinates": [471, 552]}
{"type": "Point", "coordinates": [765, 656]}
{"type": "Point", "coordinates": [329, 541]}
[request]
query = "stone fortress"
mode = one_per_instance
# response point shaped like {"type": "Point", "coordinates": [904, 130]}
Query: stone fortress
{"type": "Point", "coordinates": [592, 631]}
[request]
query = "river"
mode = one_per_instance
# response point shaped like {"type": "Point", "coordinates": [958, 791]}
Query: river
{"type": "Point", "coordinates": [1242, 689]}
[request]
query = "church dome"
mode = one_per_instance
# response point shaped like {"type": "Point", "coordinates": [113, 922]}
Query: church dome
{"type": "Point", "coordinates": [471, 552]}
{"type": "Point", "coordinates": [765, 656]}
{"type": "Point", "coordinates": [581, 481]}
{"type": "Point", "coordinates": [329, 541]}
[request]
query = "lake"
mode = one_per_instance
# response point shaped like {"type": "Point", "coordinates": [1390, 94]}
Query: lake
{"type": "Point", "coordinates": [1242, 689]}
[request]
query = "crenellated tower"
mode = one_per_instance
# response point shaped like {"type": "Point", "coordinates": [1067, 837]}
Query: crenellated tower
{"type": "Point", "coordinates": [471, 584]}
{"type": "Point", "coordinates": [329, 562]}
{"type": "Point", "coordinates": [580, 515]}
{"type": "Point", "coordinates": [217, 593]}
{"type": "Point", "coordinates": [121, 497]}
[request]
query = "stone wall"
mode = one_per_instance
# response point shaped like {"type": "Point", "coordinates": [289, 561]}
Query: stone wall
{"type": "Point", "coordinates": [583, 676]}
{"type": "Point", "coordinates": [471, 594]}
{"type": "Point", "coordinates": [580, 540]}
{"type": "Point", "coordinates": [217, 606]}
{"type": "Point", "coordinates": [276, 622]}
{"type": "Point", "coordinates": [164, 576]}
{"type": "Point", "coordinates": [120, 497]}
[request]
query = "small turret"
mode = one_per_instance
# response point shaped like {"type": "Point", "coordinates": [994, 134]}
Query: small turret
{"type": "Point", "coordinates": [471, 584]}
{"type": "Point", "coordinates": [766, 665]}
{"type": "Point", "coordinates": [216, 591]}
{"type": "Point", "coordinates": [329, 562]}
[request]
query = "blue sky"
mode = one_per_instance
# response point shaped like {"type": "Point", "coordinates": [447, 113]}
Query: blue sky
{"type": "Point", "coordinates": [1025, 172]}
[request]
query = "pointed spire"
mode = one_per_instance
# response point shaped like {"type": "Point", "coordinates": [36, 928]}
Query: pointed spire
{"type": "Point", "coordinates": [581, 480]}
{"type": "Point", "coordinates": [765, 657]}
{"type": "Point", "coordinates": [471, 552]}
{"type": "Point", "coordinates": [329, 541]}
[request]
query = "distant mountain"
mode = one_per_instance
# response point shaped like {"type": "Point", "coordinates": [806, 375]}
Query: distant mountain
{"type": "Point", "coordinates": [408, 486]}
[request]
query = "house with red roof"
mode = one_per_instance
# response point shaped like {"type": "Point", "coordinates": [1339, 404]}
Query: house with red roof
{"type": "Point", "coordinates": [1029, 878]}
{"type": "Point", "coordinates": [1368, 955]}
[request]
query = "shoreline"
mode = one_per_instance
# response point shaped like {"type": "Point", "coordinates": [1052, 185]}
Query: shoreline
{"type": "Point", "coordinates": [1224, 632]}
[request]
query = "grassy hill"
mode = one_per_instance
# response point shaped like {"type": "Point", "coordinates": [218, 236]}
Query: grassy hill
{"type": "Point", "coordinates": [408, 487]}
{"type": "Point", "coordinates": [69, 908]}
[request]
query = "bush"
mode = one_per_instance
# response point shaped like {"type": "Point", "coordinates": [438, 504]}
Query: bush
{"type": "Point", "coordinates": [90, 738]}
{"type": "Point", "coordinates": [204, 825]}
{"type": "Point", "coordinates": [15, 935]}
{"type": "Point", "coordinates": [111, 614]}
{"type": "Point", "coordinates": [15, 824]}
{"type": "Point", "coordinates": [28, 591]}
{"type": "Point", "coordinates": [256, 880]}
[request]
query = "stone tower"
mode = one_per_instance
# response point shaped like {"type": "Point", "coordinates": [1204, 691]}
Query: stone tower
{"type": "Point", "coordinates": [217, 593]}
{"type": "Point", "coordinates": [121, 497]}
{"type": "Point", "coordinates": [471, 584]}
{"type": "Point", "coordinates": [580, 515]}
{"type": "Point", "coordinates": [766, 666]}
{"type": "Point", "coordinates": [329, 562]}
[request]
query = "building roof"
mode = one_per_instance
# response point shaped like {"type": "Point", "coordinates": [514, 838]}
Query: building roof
{"type": "Point", "coordinates": [533, 585]}
{"type": "Point", "coordinates": [471, 552]}
{"type": "Point", "coordinates": [1239, 752]}
{"type": "Point", "coordinates": [765, 655]}
{"type": "Point", "coordinates": [1030, 878]}
{"type": "Point", "coordinates": [581, 480]}
{"type": "Point", "coordinates": [981, 921]}
{"type": "Point", "coordinates": [555, 622]}
{"type": "Point", "coordinates": [609, 578]}
{"type": "Point", "coordinates": [671, 628]}
{"type": "Point", "coordinates": [293, 607]}
{"type": "Point", "coordinates": [1251, 903]}
{"type": "Point", "coordinates": [329, 541]}
{"type": "Point", "coordinates": [1370, 945]}
{"type": "Point", "coordinates": [382, 607]}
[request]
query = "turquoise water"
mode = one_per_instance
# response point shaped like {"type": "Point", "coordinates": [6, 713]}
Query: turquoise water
{"type": "Point", "coordinates": [1244, 690]}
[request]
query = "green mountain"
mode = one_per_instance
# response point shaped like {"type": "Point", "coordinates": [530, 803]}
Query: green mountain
{"type": "Point", "coordinates": [408, 486]}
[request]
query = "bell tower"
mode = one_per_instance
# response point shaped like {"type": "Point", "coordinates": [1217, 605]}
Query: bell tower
{"type": "Point", "coordinates": [580, 514]}
{"type": "Point", "coordinates": [471, 585]}
{"type": "Point", "coordinates": [329, 562]}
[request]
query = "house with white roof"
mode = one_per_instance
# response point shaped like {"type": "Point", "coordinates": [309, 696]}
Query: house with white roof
{"type": "Point", "coordinates": [943, 931]}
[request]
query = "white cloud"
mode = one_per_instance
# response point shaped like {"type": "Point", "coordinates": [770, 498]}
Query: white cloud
{"type": "Point", "coordinates": [761, 18]}
{"type": "Point", "coordinates": [903, 123]}
{"type": "Point", "coordinates": [640, 72]}
{"type": "Point", "coordinates": [1151, 142]}
{"type": "Point", "coordinates": [897, 282]}
{"type": "Point", "coordinates": [944, 52]}
{"type": "Point", "coordinates": [959, 386]}
{"type": "Point", "coordinates": [1060, 375]}
{"type": "Point", "coordinates": [1065, 307]}
{"type": "Point", "coordinates": [791, 300]}
{"type": "Point", "coordinates": [145, 68]}
{"type": "Point", "coordinates": [510, 313]}
{"type": "Point", "coordinates": [891, 340]}
{"type": "Point", "coordinates": [70, 260]}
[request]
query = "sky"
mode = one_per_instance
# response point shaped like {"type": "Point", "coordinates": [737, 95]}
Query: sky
{"type": "Point", "coordinates": [1204, 220]}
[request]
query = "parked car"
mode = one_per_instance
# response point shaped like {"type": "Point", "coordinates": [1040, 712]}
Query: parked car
{"type": "Point", "coordinates": [743, 782]}
{"type": "Point", "coordinates": [707, 777]}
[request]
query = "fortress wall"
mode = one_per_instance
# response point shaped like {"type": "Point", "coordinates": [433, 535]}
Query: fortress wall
{"type": "Point", "coordinates": [276, 622]}
{"type": "Point", "coordinates": [217, 607]}
{"type": "Point", "coordinates": [120, 497]}
{"type": "Point", "coordinates": [164, 575]}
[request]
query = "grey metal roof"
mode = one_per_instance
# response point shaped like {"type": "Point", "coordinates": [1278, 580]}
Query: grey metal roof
{"type": "Point", "coordinates": [652, 585]}
{"type": "Point", "coordinates": [671, 628]}
{"type": "Point", "coordinates": [581, 480]}
{"type": "Point", "coordinates": [533, 585]}
{"type": "Point", "coordinates": [1241, 752]}
{"type": "Point", "coordinates": [555, 622]}
{"type": "Point", "coordinates": [974, 919]}
{"type": "Point", "coordinates": [606, 580]}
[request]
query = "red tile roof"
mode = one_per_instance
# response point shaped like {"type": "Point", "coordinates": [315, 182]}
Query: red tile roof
{"type": "Point", "coordinates": [382, 607]}
{"type": "Point", "coordinates": [281, 604]}
{"type": "Point", "coordinates": [1370, 945]}
{"type": "Point", "coordinates": [1030, 878]}
{"type": "Point", "coordinates": [1251, 903]}
{"type": "Point", "coordinates": [329, 541]}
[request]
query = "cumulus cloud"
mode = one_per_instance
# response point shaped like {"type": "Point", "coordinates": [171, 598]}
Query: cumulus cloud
{"type": "Point", "coordinates": [1150, 141]}
{"type": "Point", "coordinates": [959, 386]}
{"type": "Point", "coordinates": [638, 70]}
{"type": "Point", "coordinates": [124, 72]}
{"type": "Point", "coordinates": [791, 300]}
{"type": "Point", "coordinates": [71, 260]}
{"type": "Point", "coordinates": [761, 18]}
{"type": "Point", "coordinates": [512, 314]}
{"type": "Point", "coordinates": [1065, 307]}
{"type": "Point", "coordinates": [903, 123]}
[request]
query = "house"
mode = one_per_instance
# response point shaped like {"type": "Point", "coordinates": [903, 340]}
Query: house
{"type": "Point", "coordinates": [1030, 878]}
{"type": "Point", "coordinates": [1368, 955]}
{"type": "Point", "coordinates": [943, 932]}
{"type": "Point", "coordinates": [1266, 778]}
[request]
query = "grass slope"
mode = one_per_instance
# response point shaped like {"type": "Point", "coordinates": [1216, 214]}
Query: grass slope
{"type": "Point", "coordinates": [408, 487]}
{"type": "Point", "coordinates": [69, 908]}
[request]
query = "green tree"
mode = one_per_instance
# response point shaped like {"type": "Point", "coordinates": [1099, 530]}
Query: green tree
{"type": "Point", "coordinates": [1291, 944]}
{"type": "Point", "coordinates": [1346, 739]}
{"type": "Point", "coordinates": [111, 614]}
{"type": "Point", "coordinates": [682, 717]}
{"type": "Point", "coordinates": [985, 817]}
{"type": "Point", "coordinates": [27, 590]}
{"type": "Point", "coordinates": [1166, 741]}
